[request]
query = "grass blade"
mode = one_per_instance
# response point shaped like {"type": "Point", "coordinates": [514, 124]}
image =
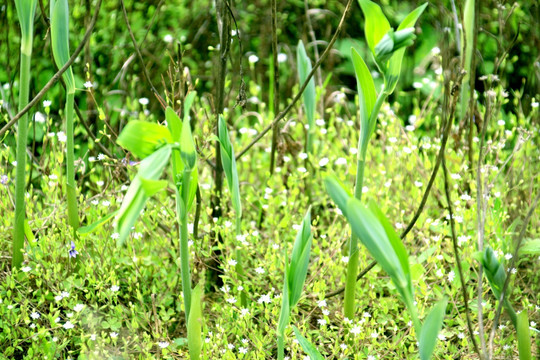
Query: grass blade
{"type": "Point", "coordinates": [309, 96]}
{"type": "Point", "coordinates": [430, 329]}
{"type": "Point", "coordinates": [308, 347]}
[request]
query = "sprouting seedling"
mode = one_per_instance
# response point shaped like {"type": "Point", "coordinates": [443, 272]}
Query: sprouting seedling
{"type": "Point", "coordinates": [26, 10]}
{"type": "Point", "coordinates": [380, 239]}
{"type": "Point", "coordinates": [496, 276]}
{"type": "Point", "coordinates": [228, 161]}
{"type": "Point", "coordinates": [304, 68]}
{"type": "Point", "coordinates": [59, 13]}
{"type": "Point", "coordinates": [159, 146]}
{"type": "Point", "coordinates": [294, 278]}
{"type": "Point", "coordinates": [387, 48]}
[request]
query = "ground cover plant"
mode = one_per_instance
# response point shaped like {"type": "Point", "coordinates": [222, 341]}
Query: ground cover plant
{"type": "Point", "coordinates": [146, 211]}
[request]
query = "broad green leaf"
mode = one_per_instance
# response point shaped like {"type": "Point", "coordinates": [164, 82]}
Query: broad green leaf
{"type": "Point", "coordinates": [194, 325]}
{"type": "Point", "coordinates": [26, 11]}
{"type": "Point", "coordinates": [364, 81]}
{"type": "Point", "coordinates": [300, 259]}
{"type": "Point", "coordinates": [368, 229]}
{"type": "Point", "coordinates": [96, 225]}
{"type": "Point", "coordinates": [398, 246]}
{"type": "Point", "coordinates": [59, 12]}
{"type": "Point", "coordinates": [188, 152]}
{"type": "Point", "coordinates": [173, 123]}
{"type": "Point", "coordinates": [152, 187]}
{"type": "Point", "coordinates": [308, 347]}
{"type": "Point", "coordinates": [394, 66]}
{"type": "Point", "coordinates": [337, 192]}
{"type": "Point", "coordinates": [142, 138]}
{"type": "Point", "coordinates": [376, 25]}
{"type": "Point", "coordinates": [150, 168]}
{"type": "Point", "coordinates": [229, 165]}
{"type": "Point", "coordinates": [523, 336]}
{"type": "Point", "coordinates": [430, 329]}
{"type": "Point", "coordinates": [309, 95]}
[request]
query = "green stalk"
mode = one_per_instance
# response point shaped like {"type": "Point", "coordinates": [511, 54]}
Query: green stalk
{"type": "Point", "coordinates": [239, 267]}
{"type": "Point", "coordinates": [73, 213]}
{"type": "Point", "coordinates": [181, 210]}
{"type": "Point", "coordinates": [22, 133]}
{"type": "Point", "coordinates": [281, 347]}
{"type": "Point", "coordinates": [352, 265]}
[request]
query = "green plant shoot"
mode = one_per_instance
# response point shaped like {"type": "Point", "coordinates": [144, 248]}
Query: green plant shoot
{"type": "Point", "coordinates": [294, 278]}
{"type": "Point", "coordinates": [59, 12]}
{"type": "Point", "coordinates": [309, 96]}
{"type": "Point", "coordinates": [26, 10]}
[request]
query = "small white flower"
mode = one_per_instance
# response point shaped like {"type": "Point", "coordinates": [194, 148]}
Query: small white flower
{"type": "Point", "coordinates": [231, 300]}
{"type": "Point", "coordinates": [113, 334]}
{"type": "Point", "coordinates": [106, 203]}
{"type": "Point", "coordinates": [508, 256]}
{"type": "Point", "coordinates": [39, 117]}
{"type": "Point", "coordinates": [418, 184]}
{"type": "Point", "coordinates": [232, 262]}
{"type": "Point", "coordinates": [26, 269]}
{"type": "Point", "coordinates": [259, 270]}
{"type": "Point", "coordinates": [323, 162]}
{"type": "Point", "coordinates": [356, 330]}
{"type": "Point", "coordinates": [47, 103]}
{"type": "Point", "coordinates": [321, 322]}
{"type": "Point", "coordinates": [326, 312]}
{"type": "Point", "coordinates": [143, 101]}
{"type": "Point", "coordinates": [303, 156]}
{"type": "Point", "coordinates": [115, 288]}
{"type": "Point", "coordinates": [88, 85]}
{"type": "Point", "coordinates": [501, 122]}
{"type": "Point", "coordinates": [439, 273]}
{"type": "Point", "coordinates": [534, 104]}
{"type": "Point", "coordinates": [168, 39]}
{"type": "Point", "coordinates": [461, 335]}
{"type": "Point", "coordinates": [100, 183]}
{"type": "Point", "coordinates": [321, 303]}
{"type": "Point", "coordinates": [115, 236]}
{"type": "Point", "coordinates": [345, 259]}
{"type": "Point", "coordinates": [78, 307]}
{"type": "Point", "coordinates": [93, 337]}
{"type": "Point", "coordinates": [61, 136]}
{"type": "Point", "coordinates": [281, 58]}
{"type": "Point", "coordinates": [451, 276]}
{"type": "Point", "coordinates": [69, 315]}
{"type": "Point", "coordinates": [371, 357]}
{"type": "Point", "coordinates": [101, 156]}
{"type": "Point", "coordinates": [68, 325]}
{"type": "Point", "coordinates": [244, 311]}
{"type": "Point", "coordinates": [35, 315]}
{"type": "Point", "coordinates": [302, 169]}
{"type": "Point", "coordinates": [343, 346]}
{"type": "Point", "coordinates": [163, 344]}
{"type": "Point", "coordinates": [253, 59]}
{"type": "Point", "coordinates": [264, 299]}
{"type": "Point", "coordinates": [242, 349]}
{"type": "Point", "coordinates": [58, 298]}
{"type": "Point", "coordinates": [441, 337]}
{"type": "Point", "coordinates": [465, 197]}
{"type": "Point", "coordinates": [340, 161]}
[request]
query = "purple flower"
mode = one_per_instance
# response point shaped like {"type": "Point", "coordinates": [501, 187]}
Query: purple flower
{"type": "Point", "coordinates": [73, 253]}
{"type": "Point", "coordinates": [4, 179]}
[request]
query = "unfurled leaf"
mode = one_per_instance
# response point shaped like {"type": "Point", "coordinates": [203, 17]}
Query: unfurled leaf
{"type": "Point", "coordinates": [309, 95]}
{"type": "Point", "coordinates": [338, 193]}
{"type": "Point", "coordinates": [376, 25]}
{"type": "Point", "coordinates": [96, 225]}
{"type": "Point", "coordinates": [523, 336]}
{"type": "Point", "coordinates": [308, 347]}
{"type": "Point", "coordinates": [431, 328]}
{"type": "Point", "coordinates": [142, 138]}
{"type": "Point", "coordinates": [300, 259]}
{"type": "Point", "coordinates": [59, 12]}
{"type": "Point", "coordinates": [150, 168]}
{"type": "Point", "coordinates": [229, 165]}
{"type": "Point", "coordinates": [194, 325]}
{"type": "Point", "coordinates": [173, 123]}
{"type": "Point", "coordinates": [188, 152]}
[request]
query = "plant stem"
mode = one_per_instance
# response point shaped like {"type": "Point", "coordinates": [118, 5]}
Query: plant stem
{"type": "Point", "coordinates": [281, 347]}
{"type": "Point", "coordinates": [20, 188]}
{"type": "Point", "coordinates": [181, 210]}
{"type": "Point", "coordinates": [352, 265]}
{"type": "Point", "coordinates": [73, 214]}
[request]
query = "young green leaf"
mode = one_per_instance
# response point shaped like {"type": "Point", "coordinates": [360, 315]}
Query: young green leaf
{"type": "Point", "coordinates": [300, 260]}
{"type": "Point", "coordinates": [337, 192]}
{"type": "Point", "coordinates": [150, 168]}
{"type": "Point", "coordinates": [26, 11]}
{"type": "Point", "coordinates": [194, 326]}
{"type": "Point", "coordinates": [229, 165]}
{"type": "Point", "coordinates": [376, 25]}
{"type": "Point", "coordinates": [308, 347]}
{"type": "Point", "coordinates": [304, 68]}
{"type": "Point", "coordinates": [523, 336]}
{"type": "Point", "coordinates": [187, 146]}
{"type": "Point", "coordinates": [96, 225]}
{"type": "Point", "coordinates": [391, 75]}
{"type": "Point", "coordinates": [430, 329]}
{"type": "Point", "coordinates": [173, 123]}
{"type": "Point", "coordinates": [142, 138]}
{"type": "Point", "coordinates": [59, 13]}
